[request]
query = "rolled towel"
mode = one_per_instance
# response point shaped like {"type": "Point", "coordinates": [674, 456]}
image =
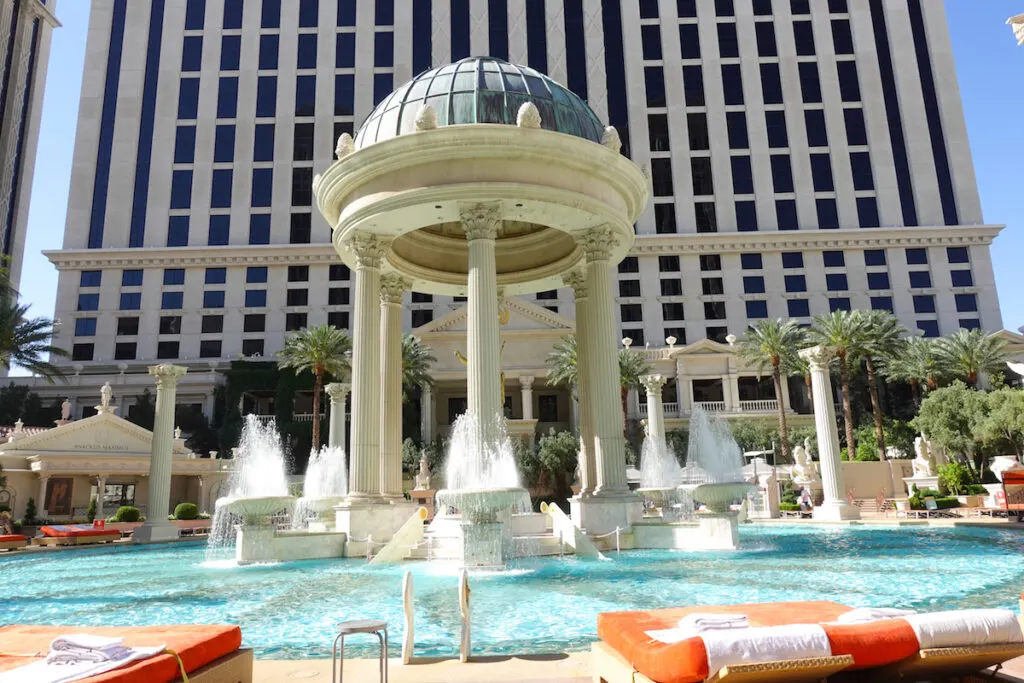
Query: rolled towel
{"type": "Point", "coordinates": [707, 621]}
{"type": "Point", "coordinates": [863, 615]}
{"type": "Point", "coordinates": [729, 647]}
{"type": "Point", "coordinates": [960, 628]}
{"type": "Point", "coordinates": [83, 641]}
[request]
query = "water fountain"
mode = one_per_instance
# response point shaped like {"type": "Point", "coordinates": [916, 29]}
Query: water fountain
{"type": "Point", "coordinates": [324, 487]}
{"type": "Point", "coordinates": [660, 476]}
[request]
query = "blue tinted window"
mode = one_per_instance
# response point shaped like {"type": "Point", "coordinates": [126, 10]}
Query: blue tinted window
{"type": "Point", "coordinates": [185, 145]}
{"type": "Point", "coordinates": [459, 30]}
{"type": "Point", "coordinates": [224, 144]}
{"type": "Point", "coordinates": [878, 280]}
{"type": "Point", "coordinates": [220, 230]}
{"type": "Point", "coordinates": [195, 11]}
{"type": "Point", "coordinates": [728, 43]}
{"type": "Point", "coordinates": [213, 299]}
{"type": "Point", "coordinates": [268, 51]}
{"type": "Point", "coordinates": [174, 276]}
{"type": "Point", "coordinates": [746, 216]}
{"type": "Point", "coordinates": [266, 96]}
{"type": "Point", "coordinates": [227, 98]}
{"type": "Point", "coordinates": [920, 279]}
{"type": "Point", "coordinates": [88, 302]}
{"type": "Point", "coordinates": [810, 83]}
{"type": "Point", "coordinates": [874, 257]}
{"type": "Point", "coordinates": [256, 274]}
{"type": "Point", "coordinates": [966, 302]}
{"type": "Point", "coordinates": [693, 86]}
{"type": "Point", "coordinates": [230, 53]}
{"type": "Point", "coordinates": [188, 98]}
{"type": "Point", "coordinates": [798, 308]}
{"type": "Point", "coordinates": [344, 94]}
{"type": "Point", "coordinates": [650, 41]}
{"type": "Point", "coordinates": [131, 301]}
{"type": "Point", "coordinates": [792, 259]}
{"type": "Point", "coordinates": [882, 303]}
{"type": "Point", "coordinates": [309, 11]}
{"type": "Point", "coordinates": [220, 193]}
{"type": "Point", "coordinates": [751, 261]}
{"type": "Point", "coordinates": [742, 176]}
{"type": "Point", "coordinates": [817, 133]}
{"type": "Point", "coordinates": [177, 231]}
{"type": "Point", "coordinates": [271, 15]}
{"type": "Point", "coordinates": [849, 84]}
{"type": "Point", "coordinates": [85, 327]}
{"type": "Point", "coordinates": [262, 186]}
{"type": "Point", "coordinates": [856, 129]}
{"type": "Point", "coordinates": [654, 83]}
{"type": "Point", "coordinates": [307, 51]}
{"type": "Point", "coordinates": [828, 214]}
{"type": "Point", "coordinates": [192, 53]}
{"type": "Point", "coordinates": [233, 13]}
{"type": "Point", "coordinates": [255, 298]}
{"type": "Point", "coordinates": [172, 300]}
{"type": "Point", "coordinates": [753, 284]}
{"type": "Point", "coordinates": [757, 309]}
{"type": "Point", "coordinates": [384, 49]}
{"type": "Point", "coordinates": [924, 303]}
{"type": "Point", "coordinates": [778, 136]}
{"type": "Point", "coordinates": [422, 38]}
{"type": "Point", "coordinates": [346, 12]}
{"type": "Point", "coordinates": [689, 41]}
{"type": "Point", "coordinates": [305, 95]}
{"type": "Point", "coordinates": [863, 178]}
{"type": "Point", "coordinates": [785, 213]}
{"type": "Point", "coordinates": [383, 84]}
{"type": "Point", "coordinates": [839, 304]}
{"type": "Point", "coordinates": [181, 189]}
{"type": "Point", "coordinates": [259, 229]}
{"type": "Point", "coordinates": [263, 144]}
{"type": "Point", "coordinates": [833, 259]}
{"type": "Point", "coordinates": [736, 122]}
{"type": "Point", "coordinates": [131, 278]}
{"type": "Point", "coordinates": [796, 283]}
{"type": "Point", "coordinates": [345, 50]}
{"type": "Point", "coordinates": [385, 13]}
{"type": "Point", "coordinates": [958, 255]}
{"type": "Point", "coordinates": [929, 328]}
{"type": "Point", "coordinates": [970, 324]}
{"type": "Point", "coordinates": [732, 82]}
{"type": "Point", "coordinates": [216, 276]}
{"type": "Point", "coordinates": [917, 257]}
{"type": "Point", "coordinates": [90, 278]}
{"type": "Point", "coordinates": [782, 173]}
{"type": "Point", "coordinates": [764, 32]}
{"type": "Point", "coordinates": [836, 282]}
{"type": "Point", "coordinates": [962, 278]}
{"type": "Point", "coordinates": [771, 84]}
{"type": "Point", "coordinates": [821, 173]}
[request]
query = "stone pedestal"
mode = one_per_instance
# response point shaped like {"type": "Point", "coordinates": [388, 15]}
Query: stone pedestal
{"type": "Point", "coordinates": [835, 511]}
{"type": "Point", "coordinates": [598, 515]}
{"type": "Point", "coordinates": [483, 544]}
{"type": "Point", "coordinates": [255, 544]}
{"type": "Point", "coordinates": [922, 483]}
{"type": "Point", "coordinates": [157, 527]}
{"type": "Point", "coordinates": [719, 530]}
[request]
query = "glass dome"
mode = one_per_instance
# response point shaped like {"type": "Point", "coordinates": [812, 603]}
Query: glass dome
{"type": "Point", "coordinates": [480, 90]}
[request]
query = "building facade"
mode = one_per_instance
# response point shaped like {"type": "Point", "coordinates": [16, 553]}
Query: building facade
{"type": "Point", "coordinates": [25, 32]}
{"type": "Point", "coordinates": [805, 155]}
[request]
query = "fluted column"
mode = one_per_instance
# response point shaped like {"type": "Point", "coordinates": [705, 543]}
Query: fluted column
{"type": "Point", "coordinates": [41, 510]}
{"type": "Point", "coordinates": [526, 393]}
{"type": "Point", "coordinates": [834, 506]}
{"type": "Point", "coordinates": [483, 372]}
{"type": "Point", "coordinates": [427, 413]}
{"type": "Point", "coordinates": [603, 374]}
{"type": "Point", "coordinates": [160, 459]}
{"type": "Point", "coordinates": [588, 464]}
{"type": "Point", "coordinates": [101, 484]}
{"type": "Point", "coordinates": [364, 474]}
{"type": "Point", "coordinates": [337, 391]}
{"type": "Point", "coordinates": [655, 409]}
{"type": "Point", "coordinates": [392, 288]}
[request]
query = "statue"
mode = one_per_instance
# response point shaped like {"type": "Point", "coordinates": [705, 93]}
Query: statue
{"type": "Point", "coordinates": [65, 410]}
{"type": "Point", "coordinates": [804, 471]}
{"type": "Point", "coordinates": [106, 393]}
{"type": "Point", "coordinates": [924, 463]}
{"type": "Point", "coordinates": [423, 478]}
{"type": "Point", "coordinates": [936, 452]}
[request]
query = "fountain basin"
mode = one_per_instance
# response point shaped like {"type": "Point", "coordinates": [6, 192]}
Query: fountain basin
{"type": "Point", "coordinates": [718, 497]}
{"type": "Point", "coordinates": [659, 496]}
{"type": "Point", "coordinates": [320, 506]}
{"type": "Point", "coordinates": [255, 510]}
{"type": "Point", "coordinates": [483, 505]}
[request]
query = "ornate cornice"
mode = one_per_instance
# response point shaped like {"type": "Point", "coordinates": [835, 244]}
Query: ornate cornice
{"type": "Point", "coordinates": [242, 255]}
{"type": "Point", "coordinates": [392, 287]}
{"type": "Point", "coordinates": [481, 221]}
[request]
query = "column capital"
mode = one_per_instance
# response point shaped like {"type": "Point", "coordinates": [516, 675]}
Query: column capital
{"type": "Point", "coordinates": [337, 391]}
{"type": "Point", "coordinates": [427, 388]}
{"type": "Point", "coordinates": [480, 221]}
{"type": "Point", "coordinates": [526, 381]}
{"type": "Point", "coordinates": [368, 248]}
{"type": "Point", "coordinates": [817, 356]}
{"type": "Point", "coordinates": [167, 375]}
{"type": "Point", "coordinates": [576, 279]}
{"type": "Point", "coordinates": [392, 287]}
{"type": "Point", "coordinates": [598, 243]}
{"type": "Point", "coordinates": [653, 383]}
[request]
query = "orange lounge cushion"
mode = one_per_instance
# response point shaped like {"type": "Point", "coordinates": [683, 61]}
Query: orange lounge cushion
{"type": "Point", "coordinates": [875, 643]}
{"type": "Point", "coordinates": [76, 531]}
{"type": "Point", "coordinates": [196, 645]}
{"type": "Point", "coordinates": [10, 538]}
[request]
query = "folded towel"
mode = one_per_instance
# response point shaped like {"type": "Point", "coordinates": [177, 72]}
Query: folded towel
{"type": "Point", "coordinates": [79, 654]}
{"type": "Point", "coordinates": [965, 627]}
{"type": "Point", "coordinates": [768, 644]}
{"type": "Point", "coordinates": [703, 621]}
{"type": "Point", "coordinates": [863, 615]}
{"type": "Point", "coordinates": [83, 641]}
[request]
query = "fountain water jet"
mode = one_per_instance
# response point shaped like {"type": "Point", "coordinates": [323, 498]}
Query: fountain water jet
{"type": "Point", "coordinates": [660, 475]}
{"type": "Point", "coordinates": [324, 486]}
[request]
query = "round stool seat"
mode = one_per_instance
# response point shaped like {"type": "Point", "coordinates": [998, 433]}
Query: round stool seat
{"type": "Point", "coordinates": [361, 626]}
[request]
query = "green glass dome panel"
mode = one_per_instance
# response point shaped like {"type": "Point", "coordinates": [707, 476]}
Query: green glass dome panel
{"type": "Point", "coordinates": [480, 90]}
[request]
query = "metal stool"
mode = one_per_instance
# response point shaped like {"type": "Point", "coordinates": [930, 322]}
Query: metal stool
{"type": "Point", "coordinates": [348, 628]}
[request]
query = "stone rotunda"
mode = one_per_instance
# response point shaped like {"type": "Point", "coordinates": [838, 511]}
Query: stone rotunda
{"type": "Point", "coordinates": [481, 179]}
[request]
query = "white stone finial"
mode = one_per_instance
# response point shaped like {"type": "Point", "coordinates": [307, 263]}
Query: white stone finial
{"type": "Point", "coordinates": [177, 432]}
{"type": "Point", "coordinates": [19, 427]}
{"type": "Point", "coordinates": [426, 118]}
{"type": "Point", "coordinates": [346, 145]}
{"type": "Point", "coordinates": [1017, 24]}
{"type": "Point", "coordinates": [627, 342]}
{"type": "Point", "coordinates": [106, 393]}
{"type": "Point", "coordinates": [528, 116]}
{"type": "Point", "coordinates": [730, 339]}
{"type": "Point", "coordinates": [611, 139]}
{"type": "Point", "coordinates": [65, 410]}
{"type": "Point", "coordinates": [671, 341]}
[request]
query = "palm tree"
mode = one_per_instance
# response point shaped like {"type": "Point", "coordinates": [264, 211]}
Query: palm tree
{"type": "Point", "coordinates": [968, 353]}
{"type": "Point", "coordinates": [883, 339]}
{"type": "Point", "coordinates": [416, 362]}
{"type": "Point", "coordinates": [563, 368]}
{"type": "Point", "coordinates": [25, 341]}
{"type": "Point", "coordinates": [916, 361]}
{"type": "Point", "coordinates": [321, 350]}
{"type": "Point", "coordinates": [632, 366]}
{"type": "Point", "coordinates": [842, 334]}
{"type": "Point", "coordinates": [774, 344]}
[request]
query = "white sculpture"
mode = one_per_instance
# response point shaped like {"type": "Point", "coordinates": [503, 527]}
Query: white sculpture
{"type": "Point", "coordinates": [65, 410]}
{"type": "Point", "coordinates": [426, 118]}
{"type": "Point", "coordinates": [106, 393]}
{"type": "Point", "coordinates": [465, 644]}
{"type": "Point", "coordinates": [1017, 24]}
{"type": "Point", "coordinates": [408, 642]}
{"type": "Point", "coordinates": [346, 145]}
{"type": "Point", "coordinates": [611, 139]}
{"type": "Point", "coordinates": [423, 478]}
{"type": "Point", "coordinates": [924, 463]}
{"type": "Point", "coordinates": [804, 471]}
{"type": "Point", "coordinates": [936, 452]}
{"type": "Point", "coordinates": [528, 116]}
{"type": "Point", "coordinates": [177, 432]}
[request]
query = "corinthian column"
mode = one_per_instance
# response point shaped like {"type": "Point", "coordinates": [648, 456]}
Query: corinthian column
{"type": "Point", "coordinates": [588, 466]}
{"type": "Point", "coordinates": [655, 409]}
{"type": "Point", "coordinates": [157, 528]}
{"type": "Point", "coordinates": [392, 287]}
{"type": "Point", "coordinates": [364, 475]}
{"type": "Point", "coordinates": [834, 506]}
{"type": "Point", "coordinates": [603, 374]}
{"type": "Point", "coordinates": [483, 367]}
{"type": "Point", "coordinates": [337, 391]}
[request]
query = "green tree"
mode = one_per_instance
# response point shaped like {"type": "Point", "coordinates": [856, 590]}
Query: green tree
{"type": "Point", "coordinates": [27, 342]}
{"type": "Point", "coordinates": [883, 339]}
{"type": "Point", "coordinates": [916, 363]}
{"type": "Point", "coordinates": [90, 512]}
{"type": "Point", "coordinates": [1005, 421]}
{"type": "Point", "coordinates": [952, 417]}
{"type": "Point", "coordinates": [969, 353]}
{"type": "Point", "coordinates": [417, 360]}
{"type": "Point", "coordinates": [774, 345]}
{"type": "Point", "coordinates": [321, 350]}
{"type": "Point", "coordinates": [842, 334]}
{"type": "Point", "coordinates": [143, 413]}
{"type": "Point", "coordinates": [557, 453]}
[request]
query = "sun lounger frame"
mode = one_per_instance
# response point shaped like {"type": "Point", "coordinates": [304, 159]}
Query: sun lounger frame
{"type": "Point", "coordinates": [609, 666]}
{"type": "Point", "coordinates": [950, 661]}
{"type": "Point", "coordinates": [77, 540]}
{"type": "Point", "coordinates": [13, 545]}
{"type": "Point", "coordinates": [235, 667]}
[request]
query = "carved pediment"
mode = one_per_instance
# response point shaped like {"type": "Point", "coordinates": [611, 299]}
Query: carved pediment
{"type": "Point", "coordinates": [522, 315]}
{"type": "Point", "coordinates": [703, 347]}
{"type": "Point", "coordinates": [97, 435]}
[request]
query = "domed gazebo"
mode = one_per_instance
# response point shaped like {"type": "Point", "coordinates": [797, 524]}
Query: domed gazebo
{"type": "Point", "coordinates": [482, 179]}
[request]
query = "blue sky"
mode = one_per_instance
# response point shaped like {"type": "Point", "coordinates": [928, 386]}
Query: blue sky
{"type": "Point", "coordinates": [990, 69]}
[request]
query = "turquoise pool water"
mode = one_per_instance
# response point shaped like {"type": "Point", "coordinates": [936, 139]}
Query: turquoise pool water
{"type": "Point", "coordinates": [540, 606]}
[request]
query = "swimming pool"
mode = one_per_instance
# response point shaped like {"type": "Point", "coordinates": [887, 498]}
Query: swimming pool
{"type": "Point", "coordinates": [287, 611]}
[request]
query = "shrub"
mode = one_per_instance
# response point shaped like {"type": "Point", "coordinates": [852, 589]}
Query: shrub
{"type": "Point", "coordinates": [954, 478]}
{"type": "Point", "coordinates": [789, 507]}
{"type": "Point", "coordinates": [30, 512]}
{"type": "Point", "coordinates": [789, 496]}
{"type": "Point", "coordinates": [976, 490]}
{"type": "Point", "coordinates": [90, 512]}
{"type": "Point", "coordinates": [126, 513]}
{"type": "Point", "coordinates": [204, 515]}
{"type": "Point", "coordinates": [186, 511]}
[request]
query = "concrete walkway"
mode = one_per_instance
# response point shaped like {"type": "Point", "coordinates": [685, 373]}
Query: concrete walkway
{"type": "Point", "coordinates": [561, 668]}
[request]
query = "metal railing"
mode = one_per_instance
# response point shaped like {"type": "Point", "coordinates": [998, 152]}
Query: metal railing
{"type": "Point", "coordinates": [762, 406]}
{"type": "Point", "coordinates": [306, 417]}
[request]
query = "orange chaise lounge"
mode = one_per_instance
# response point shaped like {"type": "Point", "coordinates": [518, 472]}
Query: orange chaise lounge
{"type": "Point", "coordinates": [75, 534]}
{"type": "Point", "coordinates": [209, 654]}
{"type": "Point", "coordinates": [12, 541]}
{"type": "Point", "coordinates": [888, 647]}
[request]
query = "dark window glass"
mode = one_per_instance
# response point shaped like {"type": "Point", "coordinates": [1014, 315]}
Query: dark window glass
{"type": "Point", "coordinates": [213, 299]}
{"type": "Point", "coordinates": [630, 264]}
{"type": "Point", "coordinates": [188, 98]}
{"type": "Point", "coordinates": [654, 79]}
{"type": "Point", "coordinates": [762, 8]}
{"type": "Point", "coordinates": [803, 33]}
{"type": "Point", "coordinates": [195, 11]}
{"type": "Point", "coordinates": [712, 286]}
{"type": "Point", "coordinates": [637, 338]}
{"type": "Point", "coordinates": [230, 53]}
{"type": "Point", "coordinates": [252, 347]}
{"type": "Point", "coordinates": [920, 279]}
{"type": "Point", "coordinates": [259, 228]}
{"type": "Point", "coordinates": [130, 278]}
{"type": "Point", "coordinates": [775, 121]}
{"type": "Point", "coordinates": [227, 97]}
{"type": "Point", "coordinates": [958, 255]}
{"type": "Point", "coordinates": [127, 327]}
{"type": "Point", "coordinates": [706, 219]}
{"type": "Point", "coordinates": [302, 187]}
{"type": "Point", "coordinates": [710, 262]}
{"type": "Point", "coordinates": [810, 83]}
{"type": "Point", "coordinates": [255, 298]}
{"type": "Point", "coordinates": [629, 288]}
{"type": "Point", "coordinates": [664, 218]}
{"type": "Point", "coordinates": [878, 281]}
{"type": "Point", "coordinates": [338, 271]}
{"type": "Point", "coordinates": [867, 212]}
{"type": "Point", "coordinates": [924, 303]}
{"type": "Point", "coordinates": [863, 178]}
{"type": "Point", "coordinates": [838, 6]}
{"type": "Point", "coordinates": [697, 127]}
{"type": "Point", "coordinates": [966, 303]}
{"type": "Point", "coordinates": [970, 324]}
{"type": "Point", "coordinates": [746, 216]}
{"type": "Point", "coordinates": [90, 278]}
{"type": "Point", "coordinates": [174, 276]}
{"type": "Point", "coordinates": [170, 301]}
{"type": "Point", "coordinates": [751, 261]}
{"type": "Point", "coordinates": [765, 33]}
{"type": "Point", "coordinates": [686, 9]}
{"type": "Point", "coordinates": [798, 308]}
{"type": "Point", "coordinates": [757, 309]}
{"type": "Point", "coordinates": [309, 11]}
{"type": "Point", "coordinates": [167, 349]}
{"type": "Point", "coordinates": [742, 176]}
{"type": "Point", "coordinates": [929, 328]}
{"type": "Point", "coordinates": [833, 259]}
{"type": "Point", "coordinates": [346, 12]}
{"type": "Point", "coordinates": [213, 324]}
{"type": "Point", "coordinates": [256, 274]}
{"type": "Point", "coordinates": [88, 302]}
{"type": "Point", "coordinates": [917, 257]}
{"type": "Point", "coordinates": [856, 131]}
{"type": "Point", "coordinates": [792, 259]}
{"type": "Point", "coordinates": [384, 49]}
{"type": "Point", "coordinates": [717, 334]}
{"type": "Point", "coordinates": [836, 282]}
{"type": "Point", "coordinates": [298, 273]}
{"type": "Point", "coordinates": [220, 230]}
{"type": "Point", "coordinates": [181, 189]}
{"type": "Point", "coordinates": [233, 13]}
{"type": "Point", "coordinates": [294, 321]}
{"type": "Point", "coordinates": [307, 51]}
{"type": "Point", "coordinates": [419, 318]}
{"type": "Point", "coordinates": [177, 231]}
{"type": "Point", "coordinates": [382, 87]}
{"type": "Point", "coordinates": [817, 136]}
{"type": "Point", "coordinates": [262, 186]}
{"type": "Point", "coordinates": [305, 95]}
{"type": "Point", "coordinates": [796, 283]}
{"type": "Point", "coordinates": [785, 214]}
{"type": "Point", "coordinates": [657, 128]}
{"type": "Point", "coordinates": [771, 84]}
{"type": "Point", "coordinates": [673, 311]}
{"type": "Point", "coordinates": [874, 257]}
{"type": "Point", "coordinates": [224, 144]}
{"type": "Point", "coordinates": [300, 229]}
{"type": "Point", "coordinates": [782, 173]}
{"type": "Point", "coordinates": [266, 96]}
{"type": "Point", "coordinates": [297, 297]}
{"type": "Point", "coordinates": [82, 352]}
{"type": "Point", "coordinates": [828, 214]}
{"type": "Point", "coordinates": [753, 284]}
{"type": "Point", "coordinates": [385, 13]}
{"type": "Point", "coordinates": [302, 147]}
{"type": "Point", "coordinates": [736, 122]}
{"type": "Point", "coordinates": [631, 313]}
{"type": "Point", "coordinates": [661, 174]}
{"type": "Point", "coordinates": [271, 15]}
{"type": "Point", "coordinates": [842, 37]}
{"type": "Point", "coordinates": [185, 145]}
{"type": "Point", "coordinates": [821, 173]}
{"type": "Point", "coordinates": [192, 53]}
{"type": "Point", "coordinates": [800, 6]}
{"type": "Point", "coordinates": [849, 84]}
{"type": "Point", "coordinates": [650, 40]}
{"type": "Point", "coordinates": [344, 94]}
{"type": "Point", "coordinates": [689, 41]}
{"type": "Point", "coordinates": [673, 287]}
{"type": "Point", "coordinates": [648, 9]}
{"type": "Point", "coordinates": [732, 83]}
{"type": "Point", "coordinates": [209, 348]}
{"type": "Point", "coordinates": [668, 264]}
{"type": "Point", "coordinates": [839, 304]}
{"type": "Point", "coordinates": [724, 8]}
{"type": "Point", "coordinates": [714, 310]}
{"type": "Point", "coordinates": [216, 276]}
{"type": "Point", "coordinates": [345, 51]}
{"type": "Point", "coordinates": [337, 296]}
{"type": "Point", "coordinates": [421, 298]}
{"type": "Point", "coordinates": [693, 86]}
{"type": "Point", "coordinates": [703, 184]}
{"type": "Point", "coordinates": [728, 43]}
{"type": "Point", "coordinates": [85, 327]}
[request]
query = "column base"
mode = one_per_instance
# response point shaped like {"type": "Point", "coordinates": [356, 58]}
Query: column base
{"type": "Point", "coordinates": [378, 520]}
{"type": "Point", "coordinates": [599, 514]}
{"type": "Point", "coordinates": [155, 533]}
{"type": "Point", "coordinates": [835, 511]}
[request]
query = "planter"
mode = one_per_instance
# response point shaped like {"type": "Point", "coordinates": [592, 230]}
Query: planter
{"type": "Point", "coordinates": [903, 505]}
{"type": "Point", "coordinates": [970, 501]}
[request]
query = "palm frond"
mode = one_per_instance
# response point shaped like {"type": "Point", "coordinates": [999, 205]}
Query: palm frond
{"type": "Point", "coordinates": [27, 342]}
{"type": "Point", "coordinates": [322, 349]}
{"type": "Point", "coordinates": [970, 353]}
{"type": "Point", "coordinates": [417, 359]}
{"type": "Point", "coordinates": [772, 343]}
